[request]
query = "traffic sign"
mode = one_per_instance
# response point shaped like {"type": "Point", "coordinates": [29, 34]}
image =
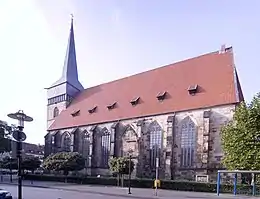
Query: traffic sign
{"type": "Point", "coordinates": [19, 134]}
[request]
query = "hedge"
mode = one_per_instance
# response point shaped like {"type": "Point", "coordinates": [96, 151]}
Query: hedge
{"type": "Point", "coordinates": [143, 183]}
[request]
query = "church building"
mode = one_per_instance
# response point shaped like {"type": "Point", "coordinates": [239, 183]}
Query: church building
{"type": "Point", "coordinates": [174, 113]}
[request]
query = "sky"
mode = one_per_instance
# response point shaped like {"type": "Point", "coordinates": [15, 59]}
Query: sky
{"type": "Point", "coordinates": [115, 38]}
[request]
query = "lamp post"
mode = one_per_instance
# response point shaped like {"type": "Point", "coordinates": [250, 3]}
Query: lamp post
{"type": "Point", "coordinates": [19, 136]}
{"type": "Point", "coordinates": [129, 170]}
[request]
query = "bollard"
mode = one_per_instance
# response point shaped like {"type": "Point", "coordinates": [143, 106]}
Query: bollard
{"type": "Point", "coordinates": [218, 184]}
{"type": "Point", "coordinates": [235, 184]}
{"type": "Point", "coordinates": [253, 184]}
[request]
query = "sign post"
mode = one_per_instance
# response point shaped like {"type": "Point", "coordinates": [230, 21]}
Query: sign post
{"type": "Point", "coordinates": [156, 176]}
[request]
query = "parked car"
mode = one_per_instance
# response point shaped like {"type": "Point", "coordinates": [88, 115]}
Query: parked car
{"type": "Point", "coordinates": [5, 194]}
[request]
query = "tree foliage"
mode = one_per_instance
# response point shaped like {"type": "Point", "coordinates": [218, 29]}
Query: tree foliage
{"type": "Point", "coordinates": [120, 165]}
{"type": "Point", "coordinates": [241, 137]}
{"type": "Point", "coordinates": [4, 155]}
{"type": "Point", "coordinates": [5, 144]}
{"type": "Point", "coordinates": [64, 161]}
{"type": "Point", "coordinates": [31, 163]}
{"type": "Point", "coordinates": [9, 163]}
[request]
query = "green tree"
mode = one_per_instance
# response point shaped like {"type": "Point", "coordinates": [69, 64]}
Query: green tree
{"type": "Point", "coordinates": [5, 143]}
{"type": "Point", "coordinates": [31, 163]}
{"type": "Point", "coordinates": [9, 163]}
{"type": "Point", "coordinates": [64, 161]}
{"type": "Point", "coordinates": [241, 137]}
{"type": "Point", "coordinates": [120, 166]}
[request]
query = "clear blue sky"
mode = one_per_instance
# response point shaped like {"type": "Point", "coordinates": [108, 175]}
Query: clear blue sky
{"type": "Point", "coordinates": [115, 38]}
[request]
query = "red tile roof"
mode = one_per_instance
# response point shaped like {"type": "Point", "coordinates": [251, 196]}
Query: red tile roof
{"type": "Point", "coordinates": [214, 73]}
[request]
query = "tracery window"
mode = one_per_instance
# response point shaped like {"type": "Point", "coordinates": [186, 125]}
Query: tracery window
{"type": "Point", "coordinates": [67, 142]}
{"type": "Point", "coordinates": [188, 142]}
{"type": "Point", "coordinates": [105, 148]}
{"type": "Point", "coordinates": [55, 112]}
{"type": "Point", "coordinates": [130, 143]}
{"type": "Point", "coordinates": [155, 143]}
{"type": "Point", "coordinates": [85, 144]}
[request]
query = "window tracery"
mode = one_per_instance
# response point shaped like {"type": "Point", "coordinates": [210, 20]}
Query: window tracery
{"type": "Point", "coordinates": [105, 147]}
{"type": "Point", "coordinates": [155, 142]}
{"type": "Point", "coordinates": [85, 144]}
{"type": "Point", "coordinates": [188, 142]}
{"type": "Point", "coordinates": [66, 142]}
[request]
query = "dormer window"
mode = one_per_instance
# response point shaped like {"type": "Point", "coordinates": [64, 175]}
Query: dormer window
{"type": "Point", "coordinates": [161, 96]}
{"type": "Point", "coordinates": [135, 101]}
{"type": "Point", "coordinates": [193, 89]}
{"type": "Point", "coordinates": [75, 113]}
{"type": "Point", "coordinates": [111, 106]}
{"type": "Point", "coordinates": [92, 110]}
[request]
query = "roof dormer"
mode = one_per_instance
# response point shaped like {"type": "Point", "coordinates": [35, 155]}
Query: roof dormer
{"type": "Point", "coordinates": [135, 101]}
{"type": "Point", "coordinates": [92, 110]}
{"type": "Point", "coordinates": [111, 106]}
{"type": "Point", "coordinates": [75, 113]}
{"type": "Point", "coordinates": [193, 89]}
{"type": "Point", "coordinates": [161, 96]}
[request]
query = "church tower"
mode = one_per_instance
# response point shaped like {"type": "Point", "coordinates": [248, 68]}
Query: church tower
{"type": "Point", "coordinates": [62, 92]}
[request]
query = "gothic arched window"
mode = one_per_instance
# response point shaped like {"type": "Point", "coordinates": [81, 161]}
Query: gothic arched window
{"type": "Point", "coordinates": [85, 144]}
{"type": "Point", "coordinates": [55, 112]}
{"type": "Point", "coordinates": [66, 142]}
{"type": "Point", "coordinates": [188, 142]}
{"type": "Point", "coordinates": [155, 142]}
{"type": "Point", "coordinates": [105, 148]}
{"type": "Point", "coordinates": [129, 142]}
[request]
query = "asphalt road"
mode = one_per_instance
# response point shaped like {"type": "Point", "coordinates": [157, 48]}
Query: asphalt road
{"type": "Point", "coordinates": [98, 192]}
{"type": "Point", "coordinates": [43, 193]}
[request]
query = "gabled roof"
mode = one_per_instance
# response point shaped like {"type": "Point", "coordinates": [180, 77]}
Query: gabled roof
{"type": "Point", "coordinates": [214, 73]}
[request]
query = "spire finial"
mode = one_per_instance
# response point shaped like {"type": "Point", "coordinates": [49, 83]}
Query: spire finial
{"type": "Point", "coordinates": [72, 16]}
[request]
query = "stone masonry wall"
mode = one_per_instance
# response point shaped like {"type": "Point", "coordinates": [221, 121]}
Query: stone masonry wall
{"type": "Point", "coordinates": [134, 134]}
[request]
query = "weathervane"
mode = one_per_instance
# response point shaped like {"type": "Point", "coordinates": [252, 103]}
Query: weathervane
{"type": "Point", "coordinates": [72, 16]}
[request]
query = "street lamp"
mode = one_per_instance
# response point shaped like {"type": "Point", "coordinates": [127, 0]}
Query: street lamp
{"type": "Point", "coordinates": [19, 136]}
{"type": "Point", "coordinates": [129, 170]}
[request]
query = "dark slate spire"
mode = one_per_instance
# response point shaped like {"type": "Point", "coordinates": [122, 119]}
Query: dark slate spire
{"type": "Point", "coordinates": [70, 70]}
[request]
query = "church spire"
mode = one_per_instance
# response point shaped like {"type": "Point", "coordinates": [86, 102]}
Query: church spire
{"type": "Point", "coordinates": [70, 70]}
{"type": "Point", "coordinates": [70, 62]}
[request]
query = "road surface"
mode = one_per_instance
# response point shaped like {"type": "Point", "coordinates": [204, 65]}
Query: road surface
{"type": "Point", "coordinates": [99, 192]}
{"type": "Point", "coordinates": [44, 193]}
